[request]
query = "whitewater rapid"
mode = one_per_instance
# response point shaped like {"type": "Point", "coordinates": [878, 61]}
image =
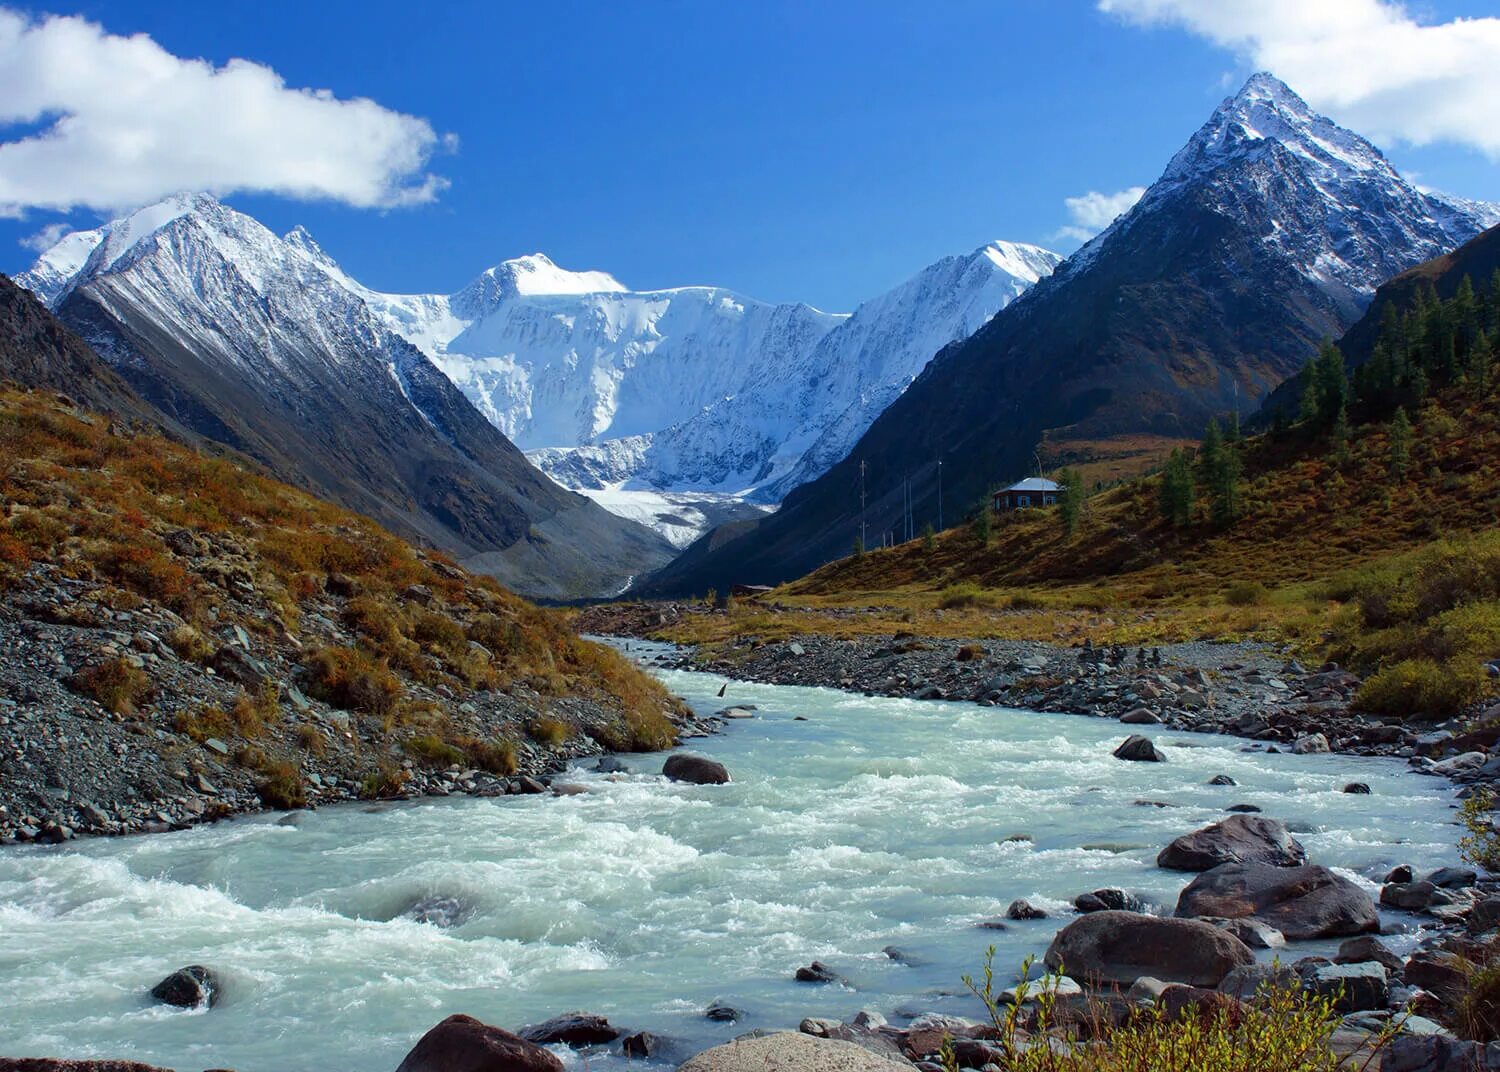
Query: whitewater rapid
{"type": "Point", "coordinates": [875, 823]}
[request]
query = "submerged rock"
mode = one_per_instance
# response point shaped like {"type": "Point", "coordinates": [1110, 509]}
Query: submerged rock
{"type": "Point", "coordinates": [1121, 947]}
{"type": "Point", "coordinates": [189, 987]}
{"type": "Point", "coordinates": [698, 770]}
{"type": "Point", "coordinates": [463, 1044]}
{"type": "Point", "coordinates": [816, 972]}
{"type": "Point", "coordinates": [1024, 909]}
{"type": "Point", "coordinates": [439, 911]}
{"type": "Point", "coordinates": [1240, 838]}
{"type": "Point", "coordinates": [1140, 749]}
{"type": "Point", "coordinates": [572, 1029]}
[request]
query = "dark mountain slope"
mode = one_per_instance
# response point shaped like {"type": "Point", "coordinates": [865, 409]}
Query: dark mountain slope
{"type": "Point", "coordinates": [244, 339]}
{"type": "Point", "coordinates": [37, 351]}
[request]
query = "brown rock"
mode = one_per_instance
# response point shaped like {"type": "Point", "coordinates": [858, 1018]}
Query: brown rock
{"type": "Point", "coordinates": [1301, 902]}
{"type": "Point", "coordinates": [463, 1044]}
{"type": "Point", "coordinates": [1120, 947]}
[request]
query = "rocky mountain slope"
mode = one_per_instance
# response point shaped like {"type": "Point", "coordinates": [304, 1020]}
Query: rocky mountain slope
{"type": "Point", "coordinates": [37, 351]}
{"type": "Point", "coordinates": [186, 639]}
{"type": "Point", "coordinates": [1267, 232]}
{"type": "Point", "coordinates": [255, 342]}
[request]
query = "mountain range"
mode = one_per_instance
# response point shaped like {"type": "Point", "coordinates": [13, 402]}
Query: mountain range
{"type": "Point", "coordinates": [681, 408]}
{"type": "Point", "coordinates": [1267, 232]}
{"type": "Point", "coordinates": [678, 406]}
{"type": "Point", "coordinates": [246, 339]}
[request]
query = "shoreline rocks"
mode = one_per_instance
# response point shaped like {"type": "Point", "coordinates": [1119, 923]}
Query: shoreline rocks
{"type": "Point", "coordinates": [1118, 948]}
{"type": "Point", "coordinates": [1302, 902]}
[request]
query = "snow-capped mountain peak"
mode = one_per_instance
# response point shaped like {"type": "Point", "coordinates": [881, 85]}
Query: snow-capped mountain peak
{"type": "Point", "coordinates": [1322, 196]}
{"type": "Point", "coordinates": [1265, 113]}
{"type": "Point", "coordinates": [99, 249]}
{"type": "Point", "coordinates": [531, 276]}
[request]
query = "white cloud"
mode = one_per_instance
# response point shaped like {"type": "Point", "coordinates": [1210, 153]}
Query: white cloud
{"type": "Point", "coordinates": [1093, 211]}
{"type": "Point", "coordinates": [1368, 63]}
{"type": "Point", "coordinates": [116, 122]}
{"type": "Point", "coordinates": [47, 237]}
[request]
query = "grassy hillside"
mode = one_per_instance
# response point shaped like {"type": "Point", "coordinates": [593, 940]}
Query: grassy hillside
{"type": "Point", "coordinates": [199, 600]}
{"type": "Point", "coordinates": [1397, 574]}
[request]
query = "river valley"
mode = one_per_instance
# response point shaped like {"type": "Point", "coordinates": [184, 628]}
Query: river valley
{"type": "Point", "coordinates": [875, 823]}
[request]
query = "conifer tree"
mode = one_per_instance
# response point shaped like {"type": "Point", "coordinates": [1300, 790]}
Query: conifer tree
{"type": "Point", "coordinates": [1209, 452]}
{"type": "Point", "coordinates": [1331, 384]}
{"type": "Point", "coordinates": [1224, 490]}
{"type": "Point", "coordinates": [1338, 439]}
{"type": "Point", "coordinates": [1070, 500]}
{"type": "Point", "coordinates": [1177, 491]}
{"type": "Point", "coordinates": [1399, 434]}
{"type": "Point", "coordinates": [983, 522]}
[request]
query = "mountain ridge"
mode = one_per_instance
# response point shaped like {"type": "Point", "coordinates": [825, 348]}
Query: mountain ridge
{"type": "Point", "coordinates": [249, 341]}
{"type": "Point", "coordinates": [1203, 297]}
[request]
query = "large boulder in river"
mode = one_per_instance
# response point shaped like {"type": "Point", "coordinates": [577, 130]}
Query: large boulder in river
{"type": "Point", "coordinates": [1301, 902]}
{"type": "Point", "coordinates": [463, 1044]}
{"type": "Point", "coordinates": [1238, 839]}
{"type": "Point", "coordinates": [189, 987]}
{"type": "Point", "coordinates": [1120, 947]}
{"type": "Point", "coordinates": [700, 770]}
{"type": "Point", "coordinates": [1140, 749]}
{"type": "Point", "coordinates": [790, 1051]}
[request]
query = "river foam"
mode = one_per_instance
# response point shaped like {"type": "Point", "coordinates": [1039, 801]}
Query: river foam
{"type": "Point", "coordinates": [877, 822]}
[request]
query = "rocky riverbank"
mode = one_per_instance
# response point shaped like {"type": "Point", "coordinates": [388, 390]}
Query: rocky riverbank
{"type": "Point", "coordinates": [117, 716]}
{"type": "Point", "coordinates": [1245, 689]}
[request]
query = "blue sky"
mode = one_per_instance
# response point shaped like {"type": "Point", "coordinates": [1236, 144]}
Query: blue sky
{"type": "Point", "coordinates": [793, 151]}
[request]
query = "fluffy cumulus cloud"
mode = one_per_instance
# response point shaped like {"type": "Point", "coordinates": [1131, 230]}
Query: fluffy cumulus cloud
{"type": "Point", "coordinates": [1370, 64]}
{"type": "Point", "coordinates": [109, 122]}
{"type": "Point", "coordinates": [1090, 213]}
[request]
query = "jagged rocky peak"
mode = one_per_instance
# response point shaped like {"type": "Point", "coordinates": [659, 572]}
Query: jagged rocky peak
{"type": "Point", "coordinates": [1266, 112]}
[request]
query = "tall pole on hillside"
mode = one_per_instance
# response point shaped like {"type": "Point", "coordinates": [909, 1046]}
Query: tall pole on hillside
{"type": "Point", "coordinates": [940, 495]}
{"type": "Point", "coordinates": [861, 503]}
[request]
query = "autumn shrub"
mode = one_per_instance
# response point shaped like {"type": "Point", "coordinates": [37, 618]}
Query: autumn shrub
{"type": "Point", "coordinates": [282, 785]}
{"type": "Point", "coordinates": [1280, 1029]}
{"type": "Point", "coordinates": [497, 756]}
{"type": "Point", "coordinates": [1477, 1015]}
{"type": "Point", "coordinates": [645, 706]}
{"type": "Point", "coordinates": [204, 722]}
{"type": "Point", "coordinates": [312, 740]}
{"type": "Point", "coordinates": [117, 684]}
{"type": "Point", "coordinates": [431, 748]}
{"type": "Point", "coordinates": [433, 630]}
{"type": "Point", "coordinates": [351, 679]}
{"type": "Point", "coordinates": [253, 714]}
{"type": "Point", "coordinates": [190, 644]}
{"type": "Point", "coordinates": [1480, 844]}
{"type": "Point", "coordinates": [1421, 687]}
{"type": "Point", "coordinates": [548, 731]}
{"type": "Point", "coordinates": [387, 781]}
{"type": "Point", "coordinates": [1246, 594]}
{"type": "Point", "coordinates": [960, 596]}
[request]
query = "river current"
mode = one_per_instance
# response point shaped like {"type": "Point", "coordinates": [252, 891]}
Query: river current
{"type": "Point", "coordinates": [874, 823]}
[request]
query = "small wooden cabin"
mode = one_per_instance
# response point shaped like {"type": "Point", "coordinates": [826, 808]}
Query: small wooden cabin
{"type": "Point", "coordinates": [1033, 491]}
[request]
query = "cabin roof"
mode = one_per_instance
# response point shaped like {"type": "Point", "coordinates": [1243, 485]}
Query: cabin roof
{"type": "Point", "coordinates": [1035, 483]}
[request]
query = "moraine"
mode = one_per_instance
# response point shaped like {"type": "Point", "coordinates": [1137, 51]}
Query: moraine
{"type": "Point", "coordinates": [875, 823]}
